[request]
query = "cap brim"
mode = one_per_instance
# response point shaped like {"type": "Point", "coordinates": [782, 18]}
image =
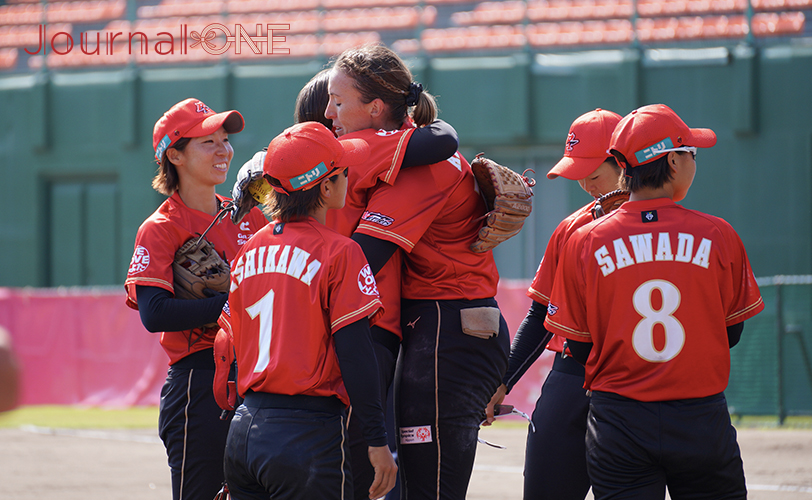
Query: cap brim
{"type": "Point", "coordinates": [231, 121]}
{"type": "Point", "coordinates": [574, 168]}
{"type": "Point", "coordinates": [356, 151]}
{"type": "Point", "coordinates": [702, 138]}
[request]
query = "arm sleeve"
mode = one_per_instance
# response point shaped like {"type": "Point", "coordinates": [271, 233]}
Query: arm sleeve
{"type": "Point", "coordinates": [529, 342]}
{"type": "Point", "coordinates": [734, 333]}
{"type": "Point", "coordinates": [580, 350]}
{"type": "Point", "coordinates": [359, 369]}
{"type": "Point", "coordinates": [161, 312]}
{"type": "Point", "coordinates": [430, 144]}
{"type": "Point", "coordinates": [378, 252]}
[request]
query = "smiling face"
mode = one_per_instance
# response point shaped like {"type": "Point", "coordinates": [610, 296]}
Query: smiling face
{"type": "Point", "coordinates": [345, 107]}
{"type": "Point", "coordinates": [602, 180]}
{"type": "Point", "coordinates": [205, 160]}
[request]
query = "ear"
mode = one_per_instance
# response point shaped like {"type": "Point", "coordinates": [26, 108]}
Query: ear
{"type": "Point", "coordinates": [376, 108]}
{"type": "Point", "coordinates": [174, 156]}
{"type": "Point", "coordinates": [326, 188]}
{"type": "Point", "coordinates": [672, 160]}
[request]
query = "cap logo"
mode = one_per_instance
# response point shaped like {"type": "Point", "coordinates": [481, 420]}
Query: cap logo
{"type": "Point", "coordinates": [650, 152]}
{"type": "Point", "coordinates": [308, 177]}
{"type": "Point", "coordinates": [571, 141]}
{"type": "Point", "coordinates": [202, 108]}
{"type": "Point", "coordinates": [159, 151]}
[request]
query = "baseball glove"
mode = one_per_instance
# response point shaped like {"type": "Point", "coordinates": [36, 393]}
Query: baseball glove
{"type": "Point", "coordinates": [608, 202]}
{"type": "Point", "coordinates": [249, 181]}
{"type": "Point", "coordinates": [508, 197]}
{"type": "Point", "coordinates": [198, 271]}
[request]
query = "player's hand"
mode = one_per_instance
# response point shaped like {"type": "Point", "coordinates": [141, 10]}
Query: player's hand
{"type": "Point", "coordinates": [497, 399]}
{"type": "Point", "coordinates": [243, 201]}
{"type": "Point", "coordinates": [386, 472]}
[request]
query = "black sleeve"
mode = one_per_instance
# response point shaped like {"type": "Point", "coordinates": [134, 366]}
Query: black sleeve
{"type": "Point", "coordinates": [161, 312]}
{"type": "Point", "coordinates": [734, 333]}
{"type": "Point", "coordinates": [433, 143]}
{"type": "Point", "coordinates": [378, 252]}
{"type": "Point", "coordinates": [529, 342]}
{"type": "Point", "coordinates": [359, 369]}
{"type": "Point", "coordinates": [580, 350]}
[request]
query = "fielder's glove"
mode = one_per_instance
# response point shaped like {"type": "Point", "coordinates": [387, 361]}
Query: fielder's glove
{"type": "Point", "coordinates": [250, 173]}
{"type": "Point", "coordinates": [199, 272]}
{"type": "Point", "coordinates": [508, 197]}
{"type": "Point", "coordinates": [608, 202]}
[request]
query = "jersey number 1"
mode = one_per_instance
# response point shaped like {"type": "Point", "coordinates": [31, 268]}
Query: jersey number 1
{"type": "Point", "coordinates": [643, 336]}
{"type": "Point", "coordinates": [264, 309]}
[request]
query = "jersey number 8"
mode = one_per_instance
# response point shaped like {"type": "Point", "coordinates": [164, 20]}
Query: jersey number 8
{"type": "Point", "coordinates": [643, 336]}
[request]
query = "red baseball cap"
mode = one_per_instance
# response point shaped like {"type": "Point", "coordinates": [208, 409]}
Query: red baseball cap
{"type": "Point", "coordinates": [586, 146]}
{"type": "Point", "coordinates": [651, 131]}
{"type": "Point", "coordinates": [191, 118]}
{"type": "Point", "coordinates": [307, 152]}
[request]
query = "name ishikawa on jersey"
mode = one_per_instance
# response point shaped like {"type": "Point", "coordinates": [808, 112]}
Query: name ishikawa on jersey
{"type": "Point", "coordinates": [292, 286]}
{"type": "Point", "coordinates": [434, 213]}
{"type": "Point", "coordinates": [653, 286]}
{"type": "Point", "coordinates": [542, 284]}
{"type": "Point", "coordinates": [387, 149]}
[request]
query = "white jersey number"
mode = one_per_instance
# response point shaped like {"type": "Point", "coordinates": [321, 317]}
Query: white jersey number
{"type": "Point", "coordinates": [643, 336]}
{"type": "Point", "coordinates": [264, 309]}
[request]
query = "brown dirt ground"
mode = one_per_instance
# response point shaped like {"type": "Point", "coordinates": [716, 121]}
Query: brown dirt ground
{"type": "Point", "coordinates": [47, 464]}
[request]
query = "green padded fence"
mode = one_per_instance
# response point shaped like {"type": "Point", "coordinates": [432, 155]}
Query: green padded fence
{"type": "Point", "coordinates": [771, 373]}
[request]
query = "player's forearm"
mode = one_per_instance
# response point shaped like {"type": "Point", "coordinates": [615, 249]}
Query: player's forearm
{"type": "Point", "coordinates": [359, 369]}
{"type": "Point", "coordinates": [529, 342]}
{"type": "Point", "coordinates": [161, 312]}
{"type": "Point", "coordinates": [433, 143]}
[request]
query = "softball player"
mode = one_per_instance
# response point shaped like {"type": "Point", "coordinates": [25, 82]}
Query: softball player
{"type": "Point", "coordinates": [191, 146]}
{"type": "Point", "coordinates": [652, 297]}
{"type": "Point", "coordinates": [302, 297]}
{"type": "Point", "coordinates": [556, 449]}
{"type": "Point", "coordinates": [432, 213]}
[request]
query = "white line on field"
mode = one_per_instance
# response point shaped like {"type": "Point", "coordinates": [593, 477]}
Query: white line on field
{"type": "Point", "coordinates": [92, 434]}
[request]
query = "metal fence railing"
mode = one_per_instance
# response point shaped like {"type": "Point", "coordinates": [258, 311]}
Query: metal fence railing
{"type": "Point", "coordinates": [771, 373]}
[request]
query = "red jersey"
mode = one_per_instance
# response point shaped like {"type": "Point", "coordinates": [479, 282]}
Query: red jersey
{"type": "Point", "coordinates": [434, 213]}
{"type": "Point", "coordinates": [292, 287]}
{"type": "Point", "coordinates": [653, 286]}
{"type": "Point", "coordinates": [542, 284]}
{"type": "Point", "coordinates": [387, 149]}
{"type": "Point", "coordinates": [160, 236]}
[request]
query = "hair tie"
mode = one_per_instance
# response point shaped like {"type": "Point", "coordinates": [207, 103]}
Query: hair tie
{"type": "Point", "coordinates": [414, 93]}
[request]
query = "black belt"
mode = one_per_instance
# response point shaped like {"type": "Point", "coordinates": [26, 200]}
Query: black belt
{"type": "Point", "coordinates": [568, 365]}
{"type": "Point", "coordinates": [328, 404]}
{"type": "Point", "coordinates": [200, 360]}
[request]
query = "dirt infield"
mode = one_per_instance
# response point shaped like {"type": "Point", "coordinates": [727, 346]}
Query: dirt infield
{"type": "Point", "coordinates": [49, 464]}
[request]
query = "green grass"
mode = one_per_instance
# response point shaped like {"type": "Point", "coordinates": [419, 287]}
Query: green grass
{"type": "Point", "coordinates": [75, 417]}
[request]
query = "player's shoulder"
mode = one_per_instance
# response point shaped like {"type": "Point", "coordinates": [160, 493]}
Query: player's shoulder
{"type": "Point", "coordinates": [373, 135]}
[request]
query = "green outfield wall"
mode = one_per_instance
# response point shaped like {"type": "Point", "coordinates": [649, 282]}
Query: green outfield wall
{"type": "Point", "coordinates": [76, 147]}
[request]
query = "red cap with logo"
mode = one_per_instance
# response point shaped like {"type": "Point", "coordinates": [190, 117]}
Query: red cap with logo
{"type": "Point", "coordinates": [647, 133]}
{"type": "Point", "coordinates": [191, 118]}
{"type": "Point", "coordinates": [307, 152]}
{"type": "Point", "coordinates": [587, 145]}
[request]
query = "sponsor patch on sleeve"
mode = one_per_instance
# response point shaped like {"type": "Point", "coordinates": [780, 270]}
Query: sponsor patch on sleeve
{"type": "Point", "coordinates": [366, 281]}
{"type": "Point", "coordinates": [415, 435]}
{"type": "Point", "coordinates": [140, 260]}
{"type": "Point", "coordinates": [376, 218]}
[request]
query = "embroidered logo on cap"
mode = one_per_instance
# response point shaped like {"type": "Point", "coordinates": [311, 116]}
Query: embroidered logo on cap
{"type": "Point", "coordinates": [571, 141]}
{"type": "Point", "coordinates": [202, 108]}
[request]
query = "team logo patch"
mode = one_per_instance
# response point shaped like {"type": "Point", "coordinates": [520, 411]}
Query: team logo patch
{"type": "Point", "coordinates": [376, 218]}
{"type": "Point", "coordinates": [649, 215]}
{"type": "Point", "coordinates": [140, 260]}
{"type": "Point", "coordinates": [415, 435]}
{"type": "Point", "coordinates": [551, 310]}
{"type": "Point", "coordinates": [366, 281]}
{"type": "Point", "coordinates": [277, 229]}
{"type": "Point", "coordinates": [571, 141]}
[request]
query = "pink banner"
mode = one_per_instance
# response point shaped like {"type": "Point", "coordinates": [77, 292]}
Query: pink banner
{"type": "Point", "coordinates": [86, 347]}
